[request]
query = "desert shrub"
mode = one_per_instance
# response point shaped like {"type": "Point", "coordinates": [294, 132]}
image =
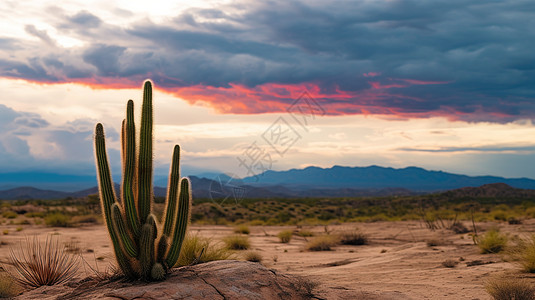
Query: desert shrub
{"type": "Point", "coordinates": [285, 236]}
{"type": "Point", "coordinates": [253, 256]}
{"type": "Point", "coordinates": [514, 221]}
{"type": "Point", "coordinates": [9, 214]}
{"type": "Point", "coordinates": [244, 229]}
{"type": "Point", "coordinates": [35, 214]}
{"type": "Point", "coordinates": [57, 220]}
{"type": "Point", "coordinates": [38, 264]}
{"type": "Point", "coordinates": [237, 242]}
{"type": "Point", "coordinates": [196, 249]}
{"type": "Point", "coordinates": [505, 288]}
{"type": "Point", "coordinates": [354, 237]}
{"type": "Point", "coordinates": [449, 263]}
{"type": "Point", "coordinates": [524, 254]}
{"type": "Point", "coordinates": [8, 286]}
{"type": "Point", "coordinates": [5, 232]}
{"type": "Point", "coordinates": [305, 233]}
{"type": "Point", "coordinates": [86, 219]}
{"type": "Point", "coordinates": [322, 243]}
{"type": "Point", "coordinates": [492, 242]}
{"type": "Point", "coordinates": [19, 228]}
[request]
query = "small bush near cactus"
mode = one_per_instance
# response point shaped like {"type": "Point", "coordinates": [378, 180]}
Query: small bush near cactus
{"type": "Point", "coordinates": [285, 236]}
{"type": "Point", "coordinates": [505, 288]}
{"type": "Point", "coordinates": [237, 242]}
{"type": "Point", "coordinates": [8, 286]}
{"type": "Point", "coordinates": [354, 237]}
{"type": "Point", "coordinates": [253, 256]}
{"type": "Point", "coordinates": [57, 220]}
{"type": "Point", "coordinates": [244, 229]}
{"type": "Point", "coordinates": [196, 249]}
{"type": "Point", "coordinates": [492, 242]}
{"type": "Point", "coordinates": [322, 243]}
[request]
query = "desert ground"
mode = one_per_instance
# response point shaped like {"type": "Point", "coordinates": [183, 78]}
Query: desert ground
{"type": "Point", "coordinates": [399, 262]}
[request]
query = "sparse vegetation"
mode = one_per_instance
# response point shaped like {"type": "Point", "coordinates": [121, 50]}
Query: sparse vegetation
{"type": "Point", "coordinates": [196, 249]}
{"type": "Point", "coordinates": [237, 242]}
{"type": "Point", "coordinates": [304, 233]}
{"type": "Point", "coordinates": [243, 229]}
{"type": "Point", "coordinates": [322, 243]}
{"type": "Point", "coordinates": [57, 220]}
{"type": "Point", "coordinates": [449, 263]}
{"type": "Point", "coordinates": [353, 237]}
{"type": "Point", "coordinates": [524, 254]}
{"type": "Point", "coordinates": [507, 288]}
{"type": "Point", "coordinates": [9, 214]}
{"type": "Point", "coordinates": [38, 264]}
{"type": "Point", "coordinates": [285, 236]}
{"type": "Point", "coordinates": [492, 242]}
{"type": "Point", "coordinates": [253, 256]}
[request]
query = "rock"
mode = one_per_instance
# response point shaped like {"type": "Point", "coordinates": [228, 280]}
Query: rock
{"type": "Point", "coordinates": [227, 279]}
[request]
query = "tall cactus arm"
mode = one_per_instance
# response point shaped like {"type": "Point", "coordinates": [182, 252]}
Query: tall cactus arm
{"type": "Point", "coordinates": [129, 158]}
{"type": "Point", "coordinates": [172, 192]}
{"type": "Point", "coordinates": [146, 249]}
{"type": "Point", "coordinates": [145, 155]}
{"type": "Point", "coordinates": [182, 219]}
{"type": "Point", "coordinates": [120, 228]}
{"type": "Point", "coordinates": [107, 198]}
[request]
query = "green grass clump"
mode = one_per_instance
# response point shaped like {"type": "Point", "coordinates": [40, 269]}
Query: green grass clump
{"type": "Point", "coordinates": [196, 249]}
{"type": "Point", "coordinates": [237, 242]}
{"type": "Point", "coordinates": [524, 254]}
{"type": "Point", "coordinates": [253, 256]}
{"type": "Point", "coordinates": [8, 286]}
{"type": "Point", "coordinates": [505, 288]}
{"type": "Point", "coordinates": [57, 220]}
{"type": "Point", "coordinates": [322, 243]}
{"type": "Point", "coordinates": [492, 242]}
{"type": "Point", "coordinates": [285, 236]}
{"type": "Point", "coordinates": [244, 229]}
{"type": "Point", "coordinates": [354, 237]}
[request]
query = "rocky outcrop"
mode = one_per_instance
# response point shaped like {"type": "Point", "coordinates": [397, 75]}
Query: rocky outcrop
{"type": "Point", "coordinates": [227, 279]}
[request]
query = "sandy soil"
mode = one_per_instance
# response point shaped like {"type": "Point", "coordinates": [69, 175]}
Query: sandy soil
{"type": "Point", "coordinates": [397, 264]}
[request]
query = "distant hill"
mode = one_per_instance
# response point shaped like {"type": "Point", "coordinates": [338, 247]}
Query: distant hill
{"type": "Point", "coordinates": [375, 177]}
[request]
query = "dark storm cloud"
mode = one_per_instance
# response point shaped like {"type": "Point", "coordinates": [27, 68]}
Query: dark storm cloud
{"type": "Point", "coordinates": [469, 60]}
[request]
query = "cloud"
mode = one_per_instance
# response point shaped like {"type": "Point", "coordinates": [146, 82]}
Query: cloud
{"type": "Point", "coordinates": [405, 58]}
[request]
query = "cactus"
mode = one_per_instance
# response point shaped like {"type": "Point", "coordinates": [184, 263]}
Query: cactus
{"type": "Point", "coordinates": [143, 248]}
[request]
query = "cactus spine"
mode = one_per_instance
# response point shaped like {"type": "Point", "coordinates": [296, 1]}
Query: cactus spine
{"type": "Point", "coordinates": [141, 249]}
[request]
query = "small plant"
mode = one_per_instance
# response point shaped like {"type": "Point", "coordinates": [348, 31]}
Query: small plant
{"type": "Point", "coordinates": [253, 256]}
{"type": "Point", "coordinates": [354, 237]}
{"type": "Point", "coordinates": [57, 220]}
{"type": "Point", "coordinates": [524, 254]}
{"type": "Point", "coordinates": [237, 242]}
{"type": "Point", "coordinates": [143, 248]}
{"type": "Point", "coordinates": [5, 232]}
{"type": "Point", "coordinates": [505, 288]}
{"type": "Point", "coordinates": [196, 249]}
{"type": "Point", "coordinates": [322, 243]}
{"type": "Point", "coordinates": [449, 263]}
{"type": "Point", "coordinates": [492, 242]}
{"type": "Point", "coordinates": [8, 286]}
{"type": "Point", "coordinates": [37, 264]}
{"type": "Point", "coordinates": [285, 236]}
{"type": "Point", "coordinates": [19, 228]}
{"type": "Point", "coordinates": [243, 229]}
{"type": "Point", "coordinates": [9, 214]}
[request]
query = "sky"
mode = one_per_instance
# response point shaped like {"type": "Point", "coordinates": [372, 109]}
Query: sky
{"type": "Point", "coordinates": [248, 86]}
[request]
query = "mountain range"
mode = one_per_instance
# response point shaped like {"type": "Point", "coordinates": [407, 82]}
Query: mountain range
{"type": "Point", "coordinates": [337, 181]}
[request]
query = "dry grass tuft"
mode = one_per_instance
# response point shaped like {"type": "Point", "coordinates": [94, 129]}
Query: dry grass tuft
{"type": "Point", "coordinates": [492, 242]}
{"type": "Point", "coordinates": [524, 254]}
{"type": "Point", "coordinates": [322, 243]}
{"type": "Point", "coordinates": [285, 236]}
{"type": "Point", "coordinates": [506, 288]}
{"type": "Point", "coordinates": [354, 237]}
{"type": "Point", "coordinates": [37, 264]}
{"type": "Point", "coordinates": [253, 256]}
{"type": "Point", "coordinates": [243, 229]}
{"type": "Point", "coordinates": [237, 242]}
{"type": "Point", "coordinates": [196, 249]}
